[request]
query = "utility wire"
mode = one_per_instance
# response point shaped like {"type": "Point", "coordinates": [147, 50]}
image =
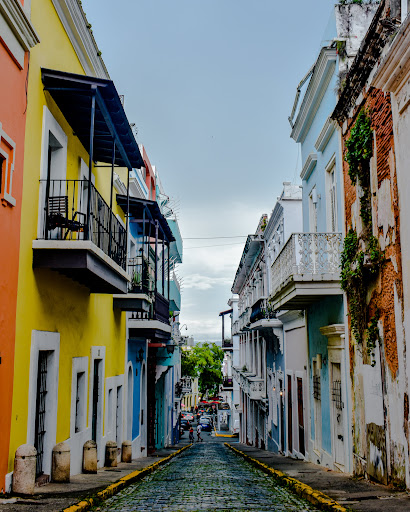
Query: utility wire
{"type": "Point", "coordinates": [213, 237]}
{"type": "Point", "coordinates": [218, 245]}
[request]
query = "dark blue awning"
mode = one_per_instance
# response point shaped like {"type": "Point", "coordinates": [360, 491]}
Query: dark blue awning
{"type": "Point", "coordinates": [153, 213]}
{"type": "Point", "coordinates": [72, 94]}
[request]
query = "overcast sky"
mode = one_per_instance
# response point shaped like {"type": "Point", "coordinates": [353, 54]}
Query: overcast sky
{"type": "Point", "coordinates": [210, 85]}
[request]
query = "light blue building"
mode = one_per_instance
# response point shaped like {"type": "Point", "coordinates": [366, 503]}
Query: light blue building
{"type": "Point", "coordinates": [306, 274]}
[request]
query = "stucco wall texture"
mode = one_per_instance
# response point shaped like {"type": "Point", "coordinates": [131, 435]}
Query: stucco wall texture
{"type": "Point", "coordinates": [380, 445]}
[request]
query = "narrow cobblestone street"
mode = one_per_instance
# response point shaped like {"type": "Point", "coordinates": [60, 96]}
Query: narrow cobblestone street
{"type": "Point", "coordinates": [206, 477]}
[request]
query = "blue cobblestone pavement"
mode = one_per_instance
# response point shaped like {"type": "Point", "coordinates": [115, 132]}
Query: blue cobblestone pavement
{"type": "Point", "coordinates": [206, 477]}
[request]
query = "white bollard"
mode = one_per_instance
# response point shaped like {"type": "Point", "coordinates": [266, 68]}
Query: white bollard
{"type": "Point", "coordinates": [60, 467]}
{"type": "Point", "coordinates": [24, 475]}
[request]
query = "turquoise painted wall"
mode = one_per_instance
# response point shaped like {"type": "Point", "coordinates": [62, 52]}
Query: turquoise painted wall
{"type": "Point", "coordinates": [325, 312]}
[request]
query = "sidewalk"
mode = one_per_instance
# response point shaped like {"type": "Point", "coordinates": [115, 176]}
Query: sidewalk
{"type": "Point", "coordinates": [358, 495]}
{"type": "Point", "coordinates": [56, 497]}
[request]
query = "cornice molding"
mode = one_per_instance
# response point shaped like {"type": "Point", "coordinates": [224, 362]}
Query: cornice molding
{"type": "Point", "coordinates": [332, 330]}
{"type": "Point", "coordinates": [309, 165]}
{"type": "Point", "coordinates": [23, 31]}
{"type": "Point", "coordinates": [325, 134]}
{"type": "Point", "coordinates": [394, 69]}
{"type": "Point", "coordinates": [318, 84]}
{"type": "Point", "coordinates": [75, 24]}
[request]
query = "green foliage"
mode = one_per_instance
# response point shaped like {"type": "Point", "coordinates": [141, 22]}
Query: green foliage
{"type": "Point", "coordinates": [341, 49]}
{"type": "Point", "coordinates": [205, 362]}
{"type": "Point", "coordinates": [360, 149]}
{"type": "Point", "coordinates": [373, 336]}
{"type": "Point", "coordinates": [358, 269]}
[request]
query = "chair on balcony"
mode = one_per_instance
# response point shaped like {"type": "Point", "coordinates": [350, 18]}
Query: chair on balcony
{"type": "Point", "coordinates": [57, 216]}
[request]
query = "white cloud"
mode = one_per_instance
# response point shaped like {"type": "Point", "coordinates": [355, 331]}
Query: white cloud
{"type": "Point", "coordinates": [201, 282]}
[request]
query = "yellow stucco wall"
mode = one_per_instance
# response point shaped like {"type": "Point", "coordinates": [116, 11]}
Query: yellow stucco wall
{"type": "Point", "coordinates": [47, 300]}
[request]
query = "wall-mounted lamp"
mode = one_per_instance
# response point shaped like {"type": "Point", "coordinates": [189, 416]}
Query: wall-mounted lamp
{"type": "Point", "coordinates": [315, 196]}
{"type": "Point", "coordinates": [170, 349]}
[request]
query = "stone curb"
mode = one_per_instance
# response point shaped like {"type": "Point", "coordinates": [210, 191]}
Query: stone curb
{"type": "Point", "coordinates": [317, 498]}
{"type": "Point", "coordinates": [124, 482]}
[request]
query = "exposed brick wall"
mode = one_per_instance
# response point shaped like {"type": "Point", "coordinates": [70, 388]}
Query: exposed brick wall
{"type": "Point", "coordinates": [382, 296]}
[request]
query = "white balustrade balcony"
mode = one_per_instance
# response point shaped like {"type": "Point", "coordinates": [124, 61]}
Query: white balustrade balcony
{"type": "Point", "coordinates": [250, 384]}
{"type": "Point", "coordinates": [306, 270]}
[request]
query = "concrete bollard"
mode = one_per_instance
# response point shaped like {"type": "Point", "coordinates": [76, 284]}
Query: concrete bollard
{"type": "Point", "coordinates": [24, 475]}
{"type": "Point", "coordinates": [126, 451]}
{"type": "Point", "coordinates": [60, 465]}
{"type": "Point", "coordinates": [111, 454]}
{"type": "Point", "coordinates": [90, 457]}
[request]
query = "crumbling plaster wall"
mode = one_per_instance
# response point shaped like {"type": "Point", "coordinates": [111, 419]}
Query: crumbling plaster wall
{"type": "Point", "coordinates": [380, 392]}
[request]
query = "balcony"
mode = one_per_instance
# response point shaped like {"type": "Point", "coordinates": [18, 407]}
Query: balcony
{"type": "Point", "coordinates": [227, 344]}
{"type": "Point", "coordinates": [244, 320]}
{"type": "Point", "coordinates": [148, 297]}
{"type": "Point", "coordinates": [306, 270]}
{"type": "Point", "coordinates": [250, 384]}
{"type": "Point", "coordinates": [80, 236]}
{"type": "Point", "coordinates": [263, 318]}
{"type": "Point", "coordinates": [235, 328]}
{"type": "Point", "coordinates": [227, 383]}
{"type": "Point", "coordinates": [152, 322]}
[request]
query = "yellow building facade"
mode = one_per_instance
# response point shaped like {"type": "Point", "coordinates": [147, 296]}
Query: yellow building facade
{"type": "Point", "coordinates": [70, 355]}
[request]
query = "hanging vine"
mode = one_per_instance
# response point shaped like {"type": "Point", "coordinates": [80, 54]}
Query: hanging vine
{"type": "Point", "coordinates": [361, 258]}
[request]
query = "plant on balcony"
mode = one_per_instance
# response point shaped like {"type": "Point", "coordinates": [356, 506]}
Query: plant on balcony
{"type": "Point", "coordinates": [136, 280]}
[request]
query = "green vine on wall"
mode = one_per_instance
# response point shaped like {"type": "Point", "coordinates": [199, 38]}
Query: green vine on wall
{"type": "Point", "coordinates": [361, 258]}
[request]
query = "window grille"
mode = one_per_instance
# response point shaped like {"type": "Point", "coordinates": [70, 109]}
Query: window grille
{"type": "Point", "coordinates": [337, 394]}
{"type": "Point", "coordinates": [316, 387]}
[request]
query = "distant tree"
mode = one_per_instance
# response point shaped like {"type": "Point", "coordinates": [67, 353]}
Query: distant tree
{"type": "Point", "coordinates": [205, 362]}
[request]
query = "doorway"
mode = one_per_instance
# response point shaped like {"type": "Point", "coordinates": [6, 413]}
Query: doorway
{"type": "Point", "coordinates": [96, 409]}
{"type": "Point", "coordinates": [290, 415]}
{"type": "Point", "coordinates": [337, 413]}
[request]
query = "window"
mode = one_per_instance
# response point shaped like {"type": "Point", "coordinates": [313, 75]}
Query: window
{"type": "Point", "coordinates": [313, 211]}
{"type": "Point", "coordinates": [7, 155]}
{"type": "Point", "coordinates": [331, 206]}
{"type": "Point", "coordinates": [80, 402]}
{"type": "Point", "coordinates": [1, 173]}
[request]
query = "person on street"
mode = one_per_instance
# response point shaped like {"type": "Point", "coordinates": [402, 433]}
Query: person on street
{"type": "Point", "coordinates": [191, 435]}
{"type": "Point", "coordinates": [198, 433]}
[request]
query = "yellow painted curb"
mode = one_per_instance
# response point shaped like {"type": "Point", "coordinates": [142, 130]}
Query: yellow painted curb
{"type": "Point", "coordinates": [317, 498]}
{"type": "Point", "coordinates": [123, 482]}
{"type": "Point", "coordinates": [223, 435]}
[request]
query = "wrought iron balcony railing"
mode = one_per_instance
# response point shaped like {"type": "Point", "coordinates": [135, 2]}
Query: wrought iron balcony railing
{"type": "Point", "coordinates": [262, 310]}
{"type": "Point", "coordinates": [159, 309]}
{"type": "Point", "coordinates": [308, 254]}
{"type": "Point", "coordinates": [72, 211]}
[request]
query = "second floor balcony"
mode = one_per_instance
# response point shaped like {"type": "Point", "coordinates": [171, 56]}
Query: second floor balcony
{"type": "Point", "coordinates": [306, 270]}
{"type": "Point", "coordinates": [78, 233]}
{"type": "Point", "coordinates": [251, 384]}
{"type": "Point", "coordinates": [227, 383]}
{"type": "Point", "coordinates": [80, 237]}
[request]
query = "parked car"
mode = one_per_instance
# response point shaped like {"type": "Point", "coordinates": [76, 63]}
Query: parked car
{"type": "Point", "coordinates": [209, 417]}
{"type": "Point", "coordinates": [188, 416]}
{"type": "Point", "coordinates": [206, 424]}
{"type": "Point", "coordinates": [185, 424]}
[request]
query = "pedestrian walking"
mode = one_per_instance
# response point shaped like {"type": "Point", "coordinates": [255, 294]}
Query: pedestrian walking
{"type": "Point", "coordinates": [198, 433]}
{"type": "Point", "coordinates": [191, 435]}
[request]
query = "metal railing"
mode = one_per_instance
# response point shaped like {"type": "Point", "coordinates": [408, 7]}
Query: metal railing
{"type": "Point", "coordinates": [159, 309]}
{"type": "Point", "coordinates": [66, 206]}
{"type": "Point", "coordinates": [307, 253]}
{"type": "Point", "coordinates": [142, 275]}
{"type": "Point", "coordinates": [227, 344]}
{"type": "Point", "coordinates": [227, 382]}
{"type": "Point", "coordinates": [262, 310]}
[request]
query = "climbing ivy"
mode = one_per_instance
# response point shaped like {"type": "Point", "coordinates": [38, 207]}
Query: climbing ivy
{"type": "Point", "coordinates": [361, 258]}
{"type": "Point", "coordinates": [359, 150]}
{"type": "Point", "coordinates": [358, 270]}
